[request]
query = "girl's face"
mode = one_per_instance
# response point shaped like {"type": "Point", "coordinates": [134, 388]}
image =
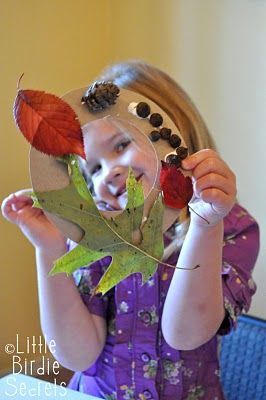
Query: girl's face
{"type": "Point", "coordinates": [111, 147]}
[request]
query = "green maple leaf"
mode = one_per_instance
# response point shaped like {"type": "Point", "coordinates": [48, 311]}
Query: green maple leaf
{"type": "Point", "coordinates": [103, 237]}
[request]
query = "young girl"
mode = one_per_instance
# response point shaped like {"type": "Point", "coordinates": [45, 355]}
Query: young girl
{"type": "Point", "coordinates": [157, 340]}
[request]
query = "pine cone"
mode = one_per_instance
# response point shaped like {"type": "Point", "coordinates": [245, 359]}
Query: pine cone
{"type": "Point", "coordinates": [100, 95]}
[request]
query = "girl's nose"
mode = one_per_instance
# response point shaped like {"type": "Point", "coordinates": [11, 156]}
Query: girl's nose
{"type": "Point", "coordinates": [115, 175]}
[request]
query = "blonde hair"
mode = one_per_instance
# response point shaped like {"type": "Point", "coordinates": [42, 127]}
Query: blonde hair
{"type": "Point", "coordinates": [163, 90]}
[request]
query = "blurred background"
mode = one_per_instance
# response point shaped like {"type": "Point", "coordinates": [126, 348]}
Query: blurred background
{"type": "Point", "coordinates": [215, 49]}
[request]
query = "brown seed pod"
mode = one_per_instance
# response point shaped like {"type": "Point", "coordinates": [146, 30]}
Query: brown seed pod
{"type": "Point", "coordinates": [156, 119]}
{"type": "Point", "coordinates": [165, 133]}
{"type": "Point", "coordinates": [143, 109]}
{"type": "Point", "coordinates": [154, 136]}
{"type": "Point", "coordinates": [100, 96]}
{"type": "Point", "coordinates": [174, 140]}
{"type": "Point", "coordinates": [182, 152]}
{"type": "Point", "coordinates": [173, 159]}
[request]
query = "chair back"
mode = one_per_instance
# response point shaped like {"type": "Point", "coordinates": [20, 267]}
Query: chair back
{"type": "Point", "coordinates": [243, 360]}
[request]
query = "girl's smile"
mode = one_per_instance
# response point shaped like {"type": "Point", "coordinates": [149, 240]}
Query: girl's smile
{"type": "Point", "coordinates": [111, 147]}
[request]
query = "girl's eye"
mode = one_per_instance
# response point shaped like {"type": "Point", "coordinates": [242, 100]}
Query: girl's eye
{"type": "Point", "coordinates": [88, 180]}
{"type": "Point", "coordinates": [122, 145]}
{"type": "Point", "coordinates": [95, 169]}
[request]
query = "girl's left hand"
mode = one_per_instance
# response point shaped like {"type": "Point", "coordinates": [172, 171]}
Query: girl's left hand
{"type": "Point", "coordinates": [214, 187]}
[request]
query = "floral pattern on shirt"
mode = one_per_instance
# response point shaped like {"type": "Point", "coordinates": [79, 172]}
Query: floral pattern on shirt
{"type": "Point", "coordinates": [150, 369]}
{"type": "Point", "coordinates": [171, 370]}
{"type": "Point", "coordinates": [149, 316]}
{"type": "Point", "coordinates": [195, 392]}
{"type": "Point", "coordinates": [129, 392]}
{"type": "Point", "coordinates": [123, 307]}
{"type": "Point", "coordinates": [187, 371]}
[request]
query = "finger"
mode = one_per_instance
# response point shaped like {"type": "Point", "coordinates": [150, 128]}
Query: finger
{"type": "Point", "coordinates": [7, 209]}
{"type": "Point", "coordinates": [220, 201]}
{"type": "Point", "coordinates": [12, 204]}
{"type": "Point", "coordinates": [21, 201]}
{"type": "Point", "coordinates": [214, 181]}
{"type": "Point", "coordinates": [21, 216]}
{"type": "Point", "coordinates": [23, 195]}
{"type": "Point", "coordinates": [213, 165]}
{"type": "Point", "coordinates": [17, 200]}
{"type": "Point", "coordinates": [28, 212]}
{"type": "Point", "coordinates": [192, 161]}
{"type": "Point", "coordinates": [24, 192]}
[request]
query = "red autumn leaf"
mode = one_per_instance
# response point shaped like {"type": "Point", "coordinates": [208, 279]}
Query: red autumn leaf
{"type": "Point", "coordinates": [48, 123]}
{"type": "Point", "coordinates": [176, 187]}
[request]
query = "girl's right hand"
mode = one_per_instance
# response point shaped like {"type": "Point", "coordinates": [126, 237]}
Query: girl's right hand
{"type": "Point", "coordinates": [17, 208]}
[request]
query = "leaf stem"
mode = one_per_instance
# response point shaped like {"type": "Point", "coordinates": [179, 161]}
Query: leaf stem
{"type": "Point", "coordinates": [198, 214]}
{"type": "Point", "coordinates": [19, 81]}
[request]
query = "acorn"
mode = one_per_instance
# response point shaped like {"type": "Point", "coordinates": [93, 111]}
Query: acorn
{"type": "Point", "coordinates": [174, 140]}
{"type": "Point", "coordinates": [156, 119]}
{"type": "Point", "coordinates": [154, 136]}
{"type": "Point", "coordinates": [143, 109]}
{"type": "Point", "coordinates": [165, 133]}
{"type": "Point", "coordinates": [182, 152]}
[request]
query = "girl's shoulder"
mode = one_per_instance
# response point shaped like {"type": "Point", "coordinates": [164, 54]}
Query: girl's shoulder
{"type": "Point", "coordinates": [239, 220]}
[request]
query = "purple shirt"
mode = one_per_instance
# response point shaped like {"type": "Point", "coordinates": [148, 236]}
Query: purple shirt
{"type": "Point", "coordinates": [136, 362]}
